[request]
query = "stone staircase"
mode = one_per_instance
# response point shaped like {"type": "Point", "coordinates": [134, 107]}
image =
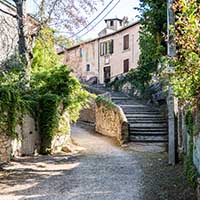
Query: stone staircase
{"type": "Point", "coordinates": [146, 123]}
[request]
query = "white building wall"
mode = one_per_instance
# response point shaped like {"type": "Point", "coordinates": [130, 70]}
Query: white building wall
{"type": "Point", "coordinates": [116, 59]}
{"type": "Point", "coordinates": [91, 55]}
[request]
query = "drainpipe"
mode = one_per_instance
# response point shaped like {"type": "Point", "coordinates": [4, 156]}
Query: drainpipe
{"type": "Point", "coordinates": [98, 63]}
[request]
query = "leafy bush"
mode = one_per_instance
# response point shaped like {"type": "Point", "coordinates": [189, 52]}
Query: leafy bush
{"type": "Point", "coordinates": [52, 88]}
{"type": "Point", "coordinates": [186, 79]}
{"type": "Point", "coordinates": [102, 100]}
{"type": "Point", "coordinates": [48, 120]}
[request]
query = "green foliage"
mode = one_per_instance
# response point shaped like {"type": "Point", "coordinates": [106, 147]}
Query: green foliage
{"type": "Point", "coordinates": [52, 92]}
{"type": "Point", "coordinates": [100, 100]}
{"type": "Point", "coordinates": [58, 81]}
{"type": "Point", "coordinates": [10, 107]}
{"type": "Point", "coordinates": [45, 55]}
{"type": "Point", "coordinates": [48, 120]}
{"type": "Point", "coordinates": [13, 102]}
{"type": "Point", "coordinates": [153, 47]}
{"type": "Point", "coordinates": [152, 42]}
{"type": "Point", "coordinates": [186, 79]}
{"type": "Point", "coordinates": [190, 169]}
{"type": "Point", "coordinates": [64, 41]}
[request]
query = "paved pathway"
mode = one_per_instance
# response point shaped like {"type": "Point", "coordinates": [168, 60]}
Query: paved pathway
{"type": "Point", "coordinates": [103, 171]}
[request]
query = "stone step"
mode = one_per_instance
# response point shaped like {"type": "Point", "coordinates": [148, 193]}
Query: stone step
{"type": "Point", "coordinates": [133, 106]}
{"type": "Point", "coordinates": [141, 112]}
{"type": "Point", "coordinates": [148, 120]}
{"type": "Point", "coordinates": [137, 106]}
{"type": "Point", "coordinates": [148, 139]}
{"type": "Point", "coordinates": [150, 133]}
{"type": "Point", "coordinates": [121, 98]}
{"type": "Point", "coordinates": [147, 126]}
{"type": "Point", "coordinates": [139, 115]}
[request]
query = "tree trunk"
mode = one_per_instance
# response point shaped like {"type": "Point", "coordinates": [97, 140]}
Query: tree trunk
{"type": "Point", "coordinates": [25, 50]}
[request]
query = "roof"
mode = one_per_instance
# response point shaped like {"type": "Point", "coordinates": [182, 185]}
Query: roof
{"type": "Point", "coordinates": [108, 35]}
{"type": "Point", "coordinates": [113, 19]}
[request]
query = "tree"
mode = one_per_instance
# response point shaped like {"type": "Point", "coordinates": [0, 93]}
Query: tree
{"type": "Point", "coordinates": [152, 35]}
{"type": "Point", "coordinates": [186, 79]}
{"type": "Point", "coordinates": [56, 13]}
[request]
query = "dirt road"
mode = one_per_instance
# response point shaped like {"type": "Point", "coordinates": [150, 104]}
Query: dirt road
{"type": "Point", "coordinates": [103, 171]}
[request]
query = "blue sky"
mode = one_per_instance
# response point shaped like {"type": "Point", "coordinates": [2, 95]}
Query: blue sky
{"type": "Point", "coordinates": [124, 8]}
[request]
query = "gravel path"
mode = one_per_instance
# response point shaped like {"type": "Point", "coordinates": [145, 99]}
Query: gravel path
{"type": "Point", "coordinates": [103, 171]}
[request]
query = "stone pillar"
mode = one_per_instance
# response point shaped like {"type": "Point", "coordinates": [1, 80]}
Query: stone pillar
{"type": "Point", "coordinates": [171, 128]}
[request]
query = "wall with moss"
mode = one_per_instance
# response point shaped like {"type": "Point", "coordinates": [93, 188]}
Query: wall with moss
{"type": "Point", "coordinates": [28, 139]}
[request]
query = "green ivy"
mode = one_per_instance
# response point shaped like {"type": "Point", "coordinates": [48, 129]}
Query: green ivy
{"type": "Point", "coordinates": [190, 169]}
{"type": "Point", "coordinates": [186, 79]}
{"type": "Point", "coordinates": [100, 100]}
{"type": "Point", "coordinates": [48, 120]}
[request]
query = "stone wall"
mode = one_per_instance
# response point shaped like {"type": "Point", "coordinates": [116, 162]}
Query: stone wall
{"type": "Point", "coordinates": [63, 137]}
{"type": "Point", "coordinates": [28, 138]}
{"type": "Point", "coordinates": [112, 122]}
{"type": "Point", "coordinates": [8, 34]}
{"type": "Point", "coordinates": [88, 114]}
{"type": "Point", "coordinates": [5, 150]}
{"type": "Point", "coordinates": [184, 137]}
{"type": "Point", "coordinates": [196, 153]}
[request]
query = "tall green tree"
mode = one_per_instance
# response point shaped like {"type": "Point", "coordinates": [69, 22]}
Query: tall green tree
{"type": "Point", "coordinates": [152, 36]}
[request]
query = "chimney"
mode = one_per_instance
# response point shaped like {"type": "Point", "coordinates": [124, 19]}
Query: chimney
{"type": "Point", "coordinates": [125, 21]}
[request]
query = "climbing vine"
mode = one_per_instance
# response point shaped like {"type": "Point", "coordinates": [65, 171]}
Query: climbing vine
{"type": "Point", "coordinates": [48, 120]}
{"type": "Point", "coordinates": [186, 79]}
{"type": "Point", "coordinates": [190, 169]}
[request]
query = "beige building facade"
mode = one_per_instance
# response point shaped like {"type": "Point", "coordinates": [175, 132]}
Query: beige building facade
{"type": "Point", "coordinates": [106, 56]}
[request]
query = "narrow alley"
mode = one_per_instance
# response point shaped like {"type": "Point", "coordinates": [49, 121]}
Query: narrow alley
{"type": "Point", "coordinates": [102, 171]}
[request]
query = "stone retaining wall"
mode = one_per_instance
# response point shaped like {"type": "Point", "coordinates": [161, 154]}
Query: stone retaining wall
{"type": "Point", "coordinates": [28, 139]}
{"type": "Point", "coordinates": [112, 122]}
{"type": "Point", "coordinates": [88, 114]}
{"type": "Point", "coordinates": [5, 148]}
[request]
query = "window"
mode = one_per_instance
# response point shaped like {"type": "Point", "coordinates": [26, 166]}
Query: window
{"type": "Point", "coordinates": [86, 55]}
{"type": "Point", "coordinates": [111, 23]}
{"type": "Point", "coordinates": [126, 65]}
{"type": "Point", "coordinates": [111, 46]}
{"type": "Point", "coordinates": [81, 52]}
{"type": "Point", "coordinates": [126, 42]}
{"type": "Point", "coordinates": [101, 49]}
{"type": "Point", "coordinates": [88, 67]}
{"type": "Point", "coordinates": [107, 47]}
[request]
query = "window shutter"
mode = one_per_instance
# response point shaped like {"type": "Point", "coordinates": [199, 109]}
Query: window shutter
{"type": "Point", "coordinates": [126, 42]}
{"type": "Point", "coordinates": [126, 65]}
{"type": "Point", "coordinates": [101, 49]}
{"type": "Point", "coordinates": [104, 49]}
{"type": "Point", "coordinates": [111, 46]}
